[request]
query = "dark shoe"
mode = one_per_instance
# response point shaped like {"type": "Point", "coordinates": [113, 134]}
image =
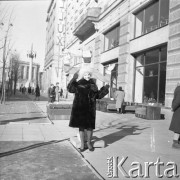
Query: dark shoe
{"type": "Point", "coordinates": [90, 147]}
{"type": "Point", "coordinates": [85, 145]}
{"type": "Point", "coordinates": [81, 150]}
{"type": "Point", "coordinates": [176, 144]}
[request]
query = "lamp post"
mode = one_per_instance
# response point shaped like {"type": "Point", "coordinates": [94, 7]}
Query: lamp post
{"type": "Point", "coordinates": [31, 54]}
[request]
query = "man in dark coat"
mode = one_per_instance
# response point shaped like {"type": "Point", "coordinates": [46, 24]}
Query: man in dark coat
{"type": "Point", "coordinates": [37, 92]}
{"type": "Point", "coordinates": [175, 122]}
{"type": "Point", "coordinates": [83, 112]}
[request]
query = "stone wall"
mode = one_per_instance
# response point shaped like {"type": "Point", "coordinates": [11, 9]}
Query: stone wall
{"type": "Point", "coordinates": [173, 60]}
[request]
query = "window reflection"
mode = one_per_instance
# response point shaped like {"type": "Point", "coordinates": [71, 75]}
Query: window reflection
{"type": "Point", "coordinates": [152, 17]}
{"type": "Point", "coordinates": [152, 57]}
{"type": "Point", "coordinates": [112, 70]}
{"type": "Point", "coordinates": [150, 79]}
{"type": "Point", "coordinates": [139, 24]}
{"type": "Point", "coordinates": [164, 15]}
{"type": "Point", "coordinates": [111, 38]}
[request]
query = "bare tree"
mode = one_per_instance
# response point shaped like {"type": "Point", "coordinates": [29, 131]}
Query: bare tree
{"type": "Point", "coordinates": [14, 71]}
{"type": "Point", "coordinates": [6, 50]}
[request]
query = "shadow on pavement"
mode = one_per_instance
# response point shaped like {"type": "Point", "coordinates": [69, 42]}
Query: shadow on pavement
{"type": "Point", "coordinates": [124, 131]}
{"type": "Point", "coordinates": [21, 119]}
{"type": "Point", "coordinates": [8, 153]}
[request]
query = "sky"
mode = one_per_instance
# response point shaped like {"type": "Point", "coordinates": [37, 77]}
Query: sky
{"type": "Point", "coordinates": [29, 27]}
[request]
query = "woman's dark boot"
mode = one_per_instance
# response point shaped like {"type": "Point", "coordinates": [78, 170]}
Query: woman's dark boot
{"type": "Point", "coordinates": [89, 137]}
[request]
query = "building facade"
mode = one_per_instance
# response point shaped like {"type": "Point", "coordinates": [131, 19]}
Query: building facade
{"type": "Point", "coordinates": [136, 42]}
{"type": "Point", "coordinates": [23, 75]}
{"type": "Point", "coordinates": [55, 34]}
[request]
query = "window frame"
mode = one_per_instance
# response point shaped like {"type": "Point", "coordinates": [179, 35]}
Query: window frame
{"type": "Point", "coordinates": [115, 27]}
{"type": "Point", "coordinates": [143, 54]}
{"type": "Point", "coordinates": [144, 16]}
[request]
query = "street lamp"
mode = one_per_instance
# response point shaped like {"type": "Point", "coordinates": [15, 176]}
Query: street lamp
{"type": "Point", "coordinates": [31, 54]}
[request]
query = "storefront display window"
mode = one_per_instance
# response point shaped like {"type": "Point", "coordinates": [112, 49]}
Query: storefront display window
{"type": "Point", "coordinates": [150, 76]}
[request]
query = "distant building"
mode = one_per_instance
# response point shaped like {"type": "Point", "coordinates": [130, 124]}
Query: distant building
{"type": "Point", "coordinates": [24, 74]}
{"type": "Point", "coordinates": [135, 42]}
{"type": "Point", "coordinates": [54, 44]}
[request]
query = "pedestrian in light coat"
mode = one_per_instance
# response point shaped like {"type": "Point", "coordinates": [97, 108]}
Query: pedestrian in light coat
{"type": "Point", "coordinates": [84, 105]}
{"type": "Point", "coordinates": [119, 96]}
{"type": "Point", "coordinates": [175, 122]}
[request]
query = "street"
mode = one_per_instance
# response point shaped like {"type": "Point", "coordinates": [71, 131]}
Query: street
{"type": "Point", "coordinates": [27, 156]}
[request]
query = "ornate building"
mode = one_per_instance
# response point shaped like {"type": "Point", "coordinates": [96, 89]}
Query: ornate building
{"type": "Point", "coordinates": [136, 42]}
{"type": "Point", "coordinates": [24, 79]}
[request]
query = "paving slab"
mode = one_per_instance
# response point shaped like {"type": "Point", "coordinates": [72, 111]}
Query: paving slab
{"type": "Point", "coordinates": [42, 160]}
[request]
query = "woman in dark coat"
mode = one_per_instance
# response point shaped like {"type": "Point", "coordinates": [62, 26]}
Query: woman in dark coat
{"type": "Point", "coordinates": [83, 113]}
{"type": "Point", "coordinates": [175, 122]}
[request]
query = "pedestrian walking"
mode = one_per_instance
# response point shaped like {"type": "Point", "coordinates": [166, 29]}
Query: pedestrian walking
{"type": "Point", "coordinates": [51, 93]}
{"type": "Point", "coordinates": [57, 92]}
{"type": "Point", "coordinates": [175, 122]}
{"type": "Point", "coordinates": [29, 89]}
{"type": "Point", "coordinates": [84, 105]}
{"type": "Point", "coordinates": [119, 96]}
{"type": "Point", "coordinates": [37, 92]}
{"type": "Point", "coordinates": [61, 93]}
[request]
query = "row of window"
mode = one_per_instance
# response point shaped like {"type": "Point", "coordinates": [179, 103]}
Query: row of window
{"type": "Point", "coordinates": [148, 19]}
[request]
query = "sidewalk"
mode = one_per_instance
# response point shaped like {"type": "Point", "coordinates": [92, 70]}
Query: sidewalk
{"type": "Point", "coordinates": [139, 141]}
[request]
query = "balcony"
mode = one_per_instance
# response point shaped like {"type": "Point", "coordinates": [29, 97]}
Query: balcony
{"type": "Point", "coordinates": [84, 26]}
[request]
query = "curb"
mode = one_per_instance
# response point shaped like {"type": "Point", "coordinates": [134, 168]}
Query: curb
{"type": "Point", "coordinates": [88, 163]}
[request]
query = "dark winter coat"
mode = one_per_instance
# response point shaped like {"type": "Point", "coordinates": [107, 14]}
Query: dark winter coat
{"type": "Point", "coordinates": [83, 112]}
{"type": "Point", "coordinates": [175, 122]}
{"type": "Point", "coordinates": [37, 91]}
{"type": "Point", "coordinates": [51, 94]}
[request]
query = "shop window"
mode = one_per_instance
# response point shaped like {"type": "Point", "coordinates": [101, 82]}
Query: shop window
{"type": "Point", "coordinates": [152, 17]}
{"type": "Point", "coordinates": [150, 76]}
{"type": "Point", "coordinates": [111, 38]}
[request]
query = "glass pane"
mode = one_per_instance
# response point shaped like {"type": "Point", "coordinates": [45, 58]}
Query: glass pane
{"type": "Point", "coordinates": [151, 70]}
{"type": "Point", "coordinates": [114, 74]}
{"type": "Point", "coordinates": [139, 84]}
{"type": "Point", "coordinates": [112, 39]}
{"type": "Point", "coordinates": [106, 43]}
{"type": "Point", "coordinates": [150, 89]}
{"type": "Point", "coordinates": [152, 57]}
{"type": "Point", "coordinates": [139, 24]}
{"type": "Point", "coordinates": [162, 83]}
{"type": "Point", "coordinates": [164, 54]}
{"type": "Point", "coordinates": [151, 17]}
{"type": "Point", "coordinates": [164, 13]}
{"type": "Point", "coordinates": [140, 60]}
